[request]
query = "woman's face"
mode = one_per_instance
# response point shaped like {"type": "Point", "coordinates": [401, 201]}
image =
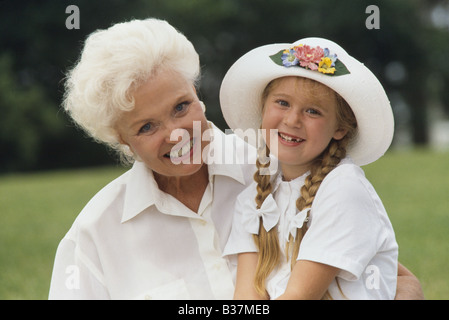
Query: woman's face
{"type": "Point", "coordinates": [164, 106]}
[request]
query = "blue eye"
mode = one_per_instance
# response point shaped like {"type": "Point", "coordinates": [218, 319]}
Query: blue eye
{"type": "Point", "coordinates": [313, 111]}
{"type": "Point", "coordinates": [182, 106]}
{"type": "Point", "coordinates": [282, 103]}
{"type": "Point", "coordinates": [146, 128]}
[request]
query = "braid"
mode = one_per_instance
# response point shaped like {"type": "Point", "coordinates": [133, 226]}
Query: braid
{"type": "Point", "coordinates": [330, 158]}
{"type": "Point", "coordinates": [323, 164]}
{"type": "Point", "coordinates": [263, 180]}
{"type": "Point", "coordinates": [267, 242]}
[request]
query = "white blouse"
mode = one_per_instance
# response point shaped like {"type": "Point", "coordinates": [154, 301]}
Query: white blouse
{"type": "Point", "coordinates": [348, 228]}
{"type": "Point", "coordinates": [133, 241]}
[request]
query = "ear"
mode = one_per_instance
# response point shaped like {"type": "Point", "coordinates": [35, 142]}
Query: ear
{"type": "Point", "coordinates": [125, 147]}
{"type": "Point", "coordinates": [340, 133]}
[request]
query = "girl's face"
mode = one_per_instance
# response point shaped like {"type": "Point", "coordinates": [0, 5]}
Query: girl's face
{"type": "Point", "coordinates": [164, 103]}
{"type": "Point", "coordinates": [304, 113]}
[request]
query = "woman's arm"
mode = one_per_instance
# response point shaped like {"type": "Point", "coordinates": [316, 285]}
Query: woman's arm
{"type": "Point", "coordinates": [246, 270]}
{"type": "Point", "coordinates": [72, 279]}
{"type": "Point", "coordinates": [408, 286]}
{"type": "Point", "coordinates": [309, 281]}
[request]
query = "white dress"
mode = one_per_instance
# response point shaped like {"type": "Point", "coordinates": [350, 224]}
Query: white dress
{"type": "Point", "coordinates": [348, 228]}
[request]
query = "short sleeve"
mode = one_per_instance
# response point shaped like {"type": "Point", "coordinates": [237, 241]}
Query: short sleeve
{"type": "Point", "coordinates": [346, 224]}
{"type": "Point", "coordinates": [240, 240]}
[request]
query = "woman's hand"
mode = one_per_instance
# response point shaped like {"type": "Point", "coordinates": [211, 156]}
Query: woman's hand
{"type": "Point", "coordinates": [408, 286]}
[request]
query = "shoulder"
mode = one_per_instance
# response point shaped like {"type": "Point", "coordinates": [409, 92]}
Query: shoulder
{"type": "Point", "coordinates": [348, 169]}
{"type": "Point", "coordinates": [347, 201]}
{"type": "Point", "coordinates": [105, 204]}
{"type": "Point", "coordinates": [347, 179]}
{"type": "Point", "coordinates": [247, 194]}
{"type": "Point", "coordinates": [347, 192]}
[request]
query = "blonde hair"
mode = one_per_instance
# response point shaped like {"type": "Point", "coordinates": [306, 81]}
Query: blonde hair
{"type": "Point", "coordinates": [113, 63]}
{"type": "Point", "coordinates": [268, 242]}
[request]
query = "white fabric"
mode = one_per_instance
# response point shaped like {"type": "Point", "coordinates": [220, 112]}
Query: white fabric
{"type": "Point", "coordinates": [348, 228]}
{"type": "Point", "coordinates": [297, 222]}
{"type": "Point", "coordinates": [268, 211]}
{"type": "Point", "coordinates": [133, 241]}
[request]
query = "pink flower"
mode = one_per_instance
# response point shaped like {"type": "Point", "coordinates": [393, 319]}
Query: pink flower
{"type": "Point", "coordinates": [309, 57]}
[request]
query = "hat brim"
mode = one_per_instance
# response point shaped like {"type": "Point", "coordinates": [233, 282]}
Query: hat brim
{"type": "Point", "coordinates": [245, 81]}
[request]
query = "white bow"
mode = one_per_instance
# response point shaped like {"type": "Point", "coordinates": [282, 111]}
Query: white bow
{"type": "Point", "coordinates": [268, 211]}
{"type": "Point", "coordinates": [297, 222]}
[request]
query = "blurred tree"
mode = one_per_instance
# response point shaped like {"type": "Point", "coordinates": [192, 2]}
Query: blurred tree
{"type": "Point", "coordinates": [27, 120]}
{"type": "Point", "coordinates": [439, 17]}
{"type": "Point", "coordinates": [407, 53]}
{"type": "Point", "coordinates": [398, 53]}
{"type": "Point", "coordinates": [39, 50]}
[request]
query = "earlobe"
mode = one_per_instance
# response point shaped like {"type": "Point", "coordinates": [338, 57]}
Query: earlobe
{"type": "Point", "coordinates": [125, 147]}
{"type": "Point", "coordinates": [203, 106]}
{"type": "Point", "coordinates": [127, 150]}
{"type": "Point", "coordinates": [340, 134]}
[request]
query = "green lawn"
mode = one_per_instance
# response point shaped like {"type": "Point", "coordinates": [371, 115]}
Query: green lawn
{"type": "Point", "coordinates": [414, 187]}
{"type": "Point", "coordinates": [37, 209]}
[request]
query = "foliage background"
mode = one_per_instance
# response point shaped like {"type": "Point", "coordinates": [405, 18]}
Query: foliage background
{"type": "Point", "coordinates": [408, 54]}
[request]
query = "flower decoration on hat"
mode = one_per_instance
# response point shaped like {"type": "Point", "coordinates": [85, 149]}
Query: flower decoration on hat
{"type": "Point", "coordinates": [289, 58]}
{"type": "Point", "coordinates": [311, 58]}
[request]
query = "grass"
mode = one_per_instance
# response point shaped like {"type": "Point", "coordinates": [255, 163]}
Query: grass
{"type": "Point", "coordinates": [36, 210]}
{"type": "Point", "coordinates": [414, 187]}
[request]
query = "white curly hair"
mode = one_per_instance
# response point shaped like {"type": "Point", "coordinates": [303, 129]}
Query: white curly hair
{"type": "Point", "coordinates": [113, 63]}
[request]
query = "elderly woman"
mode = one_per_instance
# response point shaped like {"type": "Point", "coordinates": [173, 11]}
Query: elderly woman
{"type": "Point", "coordinates": [157, 231]}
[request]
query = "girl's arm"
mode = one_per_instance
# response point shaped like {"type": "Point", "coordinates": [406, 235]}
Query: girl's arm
{"type": "Point", "coordinates": [246, 270]}
{"type": "Point", "coordinates": [309, 281]}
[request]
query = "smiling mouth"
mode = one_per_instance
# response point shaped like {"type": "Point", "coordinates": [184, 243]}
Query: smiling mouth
{"type": "Point", "coordinates": [289, 138]}
{"type": "Point", "coordinates": [181, 152]}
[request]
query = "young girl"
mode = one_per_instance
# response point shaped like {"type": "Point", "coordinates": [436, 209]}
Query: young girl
{"type": "Point", "coordinates": [317, 228]}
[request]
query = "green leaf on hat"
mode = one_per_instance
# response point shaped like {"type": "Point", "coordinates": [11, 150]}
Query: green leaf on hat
{"type": "Point", "coordinates": [340, 68]}
{"type": "Point", "coordinates": [277, 58]}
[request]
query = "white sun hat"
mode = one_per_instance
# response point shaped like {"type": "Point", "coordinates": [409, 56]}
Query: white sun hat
{"type": "Point", "coordinates": [244, 83]}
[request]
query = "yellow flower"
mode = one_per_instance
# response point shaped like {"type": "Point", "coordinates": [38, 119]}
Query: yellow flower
{"type": "Point", "coordinates": [325, 66]}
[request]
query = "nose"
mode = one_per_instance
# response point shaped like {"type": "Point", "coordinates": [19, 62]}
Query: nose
{"type": "Point", "coordinates": [293, 118]}
{"type": "Point", "coordinates": [174, 132]}
{"type": "Point", "coordinates": [176, 135]}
